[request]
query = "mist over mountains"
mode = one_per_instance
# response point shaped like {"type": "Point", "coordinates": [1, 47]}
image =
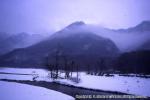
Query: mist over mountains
{"type": "Point", "coordinates": [9, 42]}
{"type": "Point", "coordinates": [78, 45]}
{"type": "Point", "coordinates": [78, 41]}
{"type": "Point", "coordinates": [142, 27]}
{"type": "Point", "coordinates": [126, 39]}
{"type": "Point", "coordinates": [139, 37]}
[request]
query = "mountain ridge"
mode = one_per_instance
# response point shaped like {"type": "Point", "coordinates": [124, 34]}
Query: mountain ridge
{"type": "Point", "coordinates": [80, 46]}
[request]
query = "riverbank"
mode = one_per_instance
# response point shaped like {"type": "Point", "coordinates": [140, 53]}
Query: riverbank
{"type": "Point", "coordinates": [72, 90]}
{"type": "Point", "coordinates": [121, 84]}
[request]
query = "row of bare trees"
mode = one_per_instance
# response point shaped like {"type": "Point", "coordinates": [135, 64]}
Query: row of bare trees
{"type": "Point", "coordinates": [59, 63]}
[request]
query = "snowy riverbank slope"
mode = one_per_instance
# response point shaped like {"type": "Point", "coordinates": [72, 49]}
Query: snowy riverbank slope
{"type": "Point", "coordinates": [131, 85]}
{"type": "Point", "coordinates": [16, 91]}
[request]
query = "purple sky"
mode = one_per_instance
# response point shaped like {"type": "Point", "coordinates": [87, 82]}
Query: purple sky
{"type": "Point", "coordinates": [51, 15]}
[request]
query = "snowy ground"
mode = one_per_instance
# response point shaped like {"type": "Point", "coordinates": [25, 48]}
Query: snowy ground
{"type": "Point", "coordinates": [16, 91]}
{"type": "Point", "coordinates": [131, 85]}
{"type": "Point", "coordinates": [41, 74]}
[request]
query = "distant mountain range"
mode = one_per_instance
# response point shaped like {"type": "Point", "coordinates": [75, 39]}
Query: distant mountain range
{"type": "Point", "coordinates": [3, 36]}
{"type": "Point", "coordinates": [78, 41]}
{"type": "Point", "coordinates": [130, 39]}
{"type": "Point", "coordinates": [82, 47]}
{"type": "Point", "coordinates": [142, 27]}
{"type": "Point", "coordinates": [21, 40]}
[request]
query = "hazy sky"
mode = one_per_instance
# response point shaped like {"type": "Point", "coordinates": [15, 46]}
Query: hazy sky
{"type": "Point", "coordinates": [50, 15]}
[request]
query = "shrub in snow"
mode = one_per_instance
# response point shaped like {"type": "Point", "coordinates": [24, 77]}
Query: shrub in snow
{"type": "Point", "coordinates": [109, 75]}
{"type": "Point", "coordinates": [75, 79]}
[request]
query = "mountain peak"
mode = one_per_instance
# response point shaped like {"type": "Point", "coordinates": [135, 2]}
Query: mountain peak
{"type": "Point", "coordinates": [76, 24]}
{"type": "Point", "coordinates": [144, 23]}
{"type": "Point", "coordinates": [144, 26]}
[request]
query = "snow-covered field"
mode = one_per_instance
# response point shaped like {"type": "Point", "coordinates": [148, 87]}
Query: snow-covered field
{"type": "Point", "coordinates": [24, 71]}
{"type": "Point", "coordinates": [16, 91]}
{"type": "Point", "coordinates": [131, 85]}
{"type": "Point", "coordinates": [41, 74]}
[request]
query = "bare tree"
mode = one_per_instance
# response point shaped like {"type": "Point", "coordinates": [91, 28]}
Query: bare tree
{"type": "Point", "coordinates": [71, 67]}
{"type": "Point", "coordinates": [101, 66]}
{"type": "Point", "coordinates": [88, 68]}
{"type": "Point", "coordinates": [56, 62]}
{"type": "Point", "coordinates": [66, 62]}
{"type": "Point", "coordinates": [77, 67]}
{"type": "Point", "coordinates": [54, 68]}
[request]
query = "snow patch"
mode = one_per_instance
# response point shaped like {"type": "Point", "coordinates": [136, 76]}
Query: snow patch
{"type": "Point", "coordinates": [16, 91]}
